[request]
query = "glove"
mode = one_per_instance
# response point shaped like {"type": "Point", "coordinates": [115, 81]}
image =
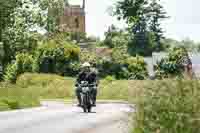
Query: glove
{"type": "Point", "coordinates": [76, 84]}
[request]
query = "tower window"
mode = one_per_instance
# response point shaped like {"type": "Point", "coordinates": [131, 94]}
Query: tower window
{"type": "Point", "coordinates": [77, 22]}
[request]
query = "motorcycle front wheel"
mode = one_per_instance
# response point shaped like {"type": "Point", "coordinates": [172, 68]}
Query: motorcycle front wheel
{"type": "Point", "coordinates": [84, 101]}
{"type": "Point", "coordinates": [89, 109]}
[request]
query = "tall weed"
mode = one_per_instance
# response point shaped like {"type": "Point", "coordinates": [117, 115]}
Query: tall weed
{"type": "Point", "coordinates": [170, 106]}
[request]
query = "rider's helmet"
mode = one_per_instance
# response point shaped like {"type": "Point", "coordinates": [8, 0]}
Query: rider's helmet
{"type": "Point", "coordinates": [86, 66]}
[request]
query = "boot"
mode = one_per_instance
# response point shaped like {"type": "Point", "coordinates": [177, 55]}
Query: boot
{"type": "Point", "coordinates": [94, 98]}
{"type": "Point", "coordinates": [94, 101]}
{"type": "Point", "coordinates": [79, 101]}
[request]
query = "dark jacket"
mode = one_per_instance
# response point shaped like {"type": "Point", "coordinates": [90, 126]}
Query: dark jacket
{"type": "Point", "coordinates": [91, 77]}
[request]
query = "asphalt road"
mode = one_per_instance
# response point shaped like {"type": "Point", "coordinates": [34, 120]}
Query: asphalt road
{"type": "Point", "coordinates": [56, 117]}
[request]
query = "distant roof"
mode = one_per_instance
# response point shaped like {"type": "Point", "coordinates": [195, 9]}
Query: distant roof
{"type": "Point", "coordinates": [103, 52]}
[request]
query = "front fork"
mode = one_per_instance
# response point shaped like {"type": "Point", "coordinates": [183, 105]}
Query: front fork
{"type": "Point", "coordinates": [94, 94]}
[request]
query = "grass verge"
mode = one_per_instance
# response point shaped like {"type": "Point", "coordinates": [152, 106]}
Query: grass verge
{"type": "Point", "coordinates": [29, 88]}
{"type": "Point", "coordinates": [56, 87]}
{"type": "Point", "coordinates": [15, 97]}
{"type": "Point", "coordinates": [168, 106]}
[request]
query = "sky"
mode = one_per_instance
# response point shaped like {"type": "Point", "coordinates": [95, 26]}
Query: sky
{"type": "Point", "coordinates": [184, 21]}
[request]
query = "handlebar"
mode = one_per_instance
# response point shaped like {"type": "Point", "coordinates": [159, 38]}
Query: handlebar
{"type": "Point", "coordinates": [90, 85]}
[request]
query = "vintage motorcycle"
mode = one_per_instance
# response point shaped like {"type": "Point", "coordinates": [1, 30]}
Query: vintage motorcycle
{"type": "Point", "coordinates": [86, 96]}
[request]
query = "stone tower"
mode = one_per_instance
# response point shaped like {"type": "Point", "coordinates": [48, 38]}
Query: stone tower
{"type": "Point", "coordinates": [73, 18]}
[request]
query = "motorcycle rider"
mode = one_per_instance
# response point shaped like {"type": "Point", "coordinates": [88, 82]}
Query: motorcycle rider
{"type": "Point", "coordinates": [91, 77]}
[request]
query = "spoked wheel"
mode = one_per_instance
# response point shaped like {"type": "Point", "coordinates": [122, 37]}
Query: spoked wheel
{"type": "Point", "coordinates": [86, 103]}
{"type": "Point", "coordinates": [89, 109]}
{"type": "Point", "coordinates": [84, 109]}
{"type": "Point", "coordinates": [84, 99]}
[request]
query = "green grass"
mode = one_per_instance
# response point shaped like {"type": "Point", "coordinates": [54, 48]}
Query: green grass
{"type": "Point", "coordinates": [29, 88]}
{"type": "Point", "coordinates": [16, 97]}
{"type": "Point", "coordinates": [166, 106]}
{"type": "Point", "coordinates": [49, 86]}
{"type": "Point", "coordinates": [161, 106]}
{"type": "Point", "coordinates": [113, 90]}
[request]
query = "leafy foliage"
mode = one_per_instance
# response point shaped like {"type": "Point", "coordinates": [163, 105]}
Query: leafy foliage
{"type": "Point", "coordinates": [61, 58]}
{"type": "Point", "coordinates": [189, 44]}
{"type": "Point", "coordinates": [22, 64]}
{"type": "Point", "coordinates": [122, 66]}
{"type": "Point", "coordinates": [53, 9]}
{"type": "Point", "coordinates": [115, 37]}
{"type": "Point", "coordinates": [87, 56]}
{"type": "Point", "coordinates": [198, 47]}
{"type": "Point", "coordinates": [22, 23]}
{"type": "Point", "coordinates": [143, 18]}
{"type": "Point", "coordinates": [172, 65]}
{"type": "Point", "coordinates": [157, 14]}
{"type": "Point", "coordinates": [6, 9]}
{"type": "Point", "coordinates": [137, 68]}
{"type": "Point", "coordinates": [147, 44]}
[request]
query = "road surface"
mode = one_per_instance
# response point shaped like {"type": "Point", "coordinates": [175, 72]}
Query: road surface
{"type": "Point", "coordinates": [56, 117]}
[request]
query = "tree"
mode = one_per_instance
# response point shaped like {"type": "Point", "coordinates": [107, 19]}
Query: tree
{"type": "Point", "coordinates": [189, 44]}
{"type": "Point", "coordinates": [143, 19]}
{"type": "Point", "coordinates": [53, 10]}
{"type": "Point", "coordinates": [6, 9]}
{"type": "Point", "coordinates": [169, 43]}
{"type": "Point", "coordinates": [26, 19]}
{"type": "Point", "coordinates": [134, 12]}
{"type": "Point", "coordinates": [115, 37]}
{"type": "Point", "coordinates": [198, 47]}
{"type": "Point", "coordinates": [112, 32]}
{"type": "Point", "coordinates": [157, 14]}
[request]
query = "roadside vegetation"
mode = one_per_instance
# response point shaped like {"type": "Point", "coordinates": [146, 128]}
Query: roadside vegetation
{"type": "Point", "coordinates": [17, 97]}
{"type": "Point", "coordinates": [48, 86]}
{"type": "Point", "coordinates": [44, 66]}
{"type": "Point", "coordinates": [31, 88]}
{"type": "Point", "coordinates": [168, 106]}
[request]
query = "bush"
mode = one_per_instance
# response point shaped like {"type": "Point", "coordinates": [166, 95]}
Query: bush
{"type": "Point", "coordinates": [122, 66]}
{"type": "Point", "coordinates": [136, 68]}
{"type": "Point", "coordinates": [168, 106]}
{"type": "Point", "coordinates": [105, 67]}
{"type": "Point", "coordinates": [173, 64]}
{"type": "Point", "coordinates": [87, 56]}
{"type": "Point", "coordinates": [55, 57]}
{"type": "Point", "coordinates": [22, 64]}
{"type": "Point", "coordinates": [109, 78]}
{"type": "Point", "coordinates": [115, 37]}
